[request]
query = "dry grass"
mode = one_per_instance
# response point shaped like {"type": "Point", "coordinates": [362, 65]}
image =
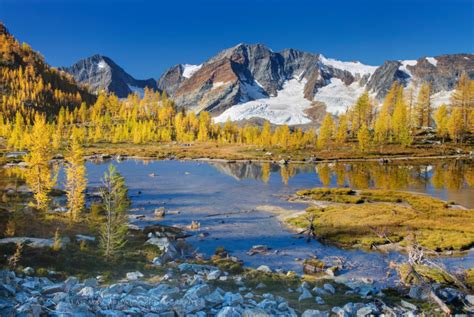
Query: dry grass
{"type": "Point", "coordinates": [251, 152]}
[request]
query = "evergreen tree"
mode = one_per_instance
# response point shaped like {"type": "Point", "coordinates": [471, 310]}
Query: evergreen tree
{"type": "Point", "coordinates": [38, 175]}
{"type": "Point", "coordinates": [326, 131]}
{"type": "Point", "coordinates": [441, 120]}
{"type": "Point", "coordinates": [463, 99]}
{"type": "Point", "coordinates": [76, 182]}
{"type": "Point", "coordinates": [362, 113]}
{"type": "Point", "coordinates": [342, 128]}
{"type": "Point", "coordinates": [423, 106]}
{"type": "Point", "coordinates": [363, 136]}
{"type": "Point", "coordinates": [455, 125]}
{"type": "Point", "coordinates": [115, 202]}
{"type": "Point", "coordinates": [400, 121]}
{"type": "Point", "coordinates": [266, 135]}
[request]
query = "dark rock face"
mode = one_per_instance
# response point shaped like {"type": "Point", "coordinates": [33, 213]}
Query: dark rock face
{"type": "Point", "coordinates": [385, 75]}
{"type": "Point", "coordinates": [248, 72]}
{"type": "Point", "coordinates": [171, 79]}
{"type": "Point", "coordinates": [445, 74]}
{"type": "Point", "coordinates": [101, 73]}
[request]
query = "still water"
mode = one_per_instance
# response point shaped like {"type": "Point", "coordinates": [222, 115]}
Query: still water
{"type": "Point", "coordinates": [232, 202]}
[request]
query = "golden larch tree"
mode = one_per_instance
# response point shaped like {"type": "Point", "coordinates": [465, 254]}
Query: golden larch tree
{"type": "Point", "coordinates": [76, 181]}
{"type": "Point", "coordinates": [39, 176]}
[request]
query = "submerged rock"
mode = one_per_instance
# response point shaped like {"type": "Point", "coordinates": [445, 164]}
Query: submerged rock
{"type": "Point", "coordinates": [258, 249]}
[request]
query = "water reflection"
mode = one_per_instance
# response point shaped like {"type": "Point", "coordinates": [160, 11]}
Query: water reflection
{"type": "Point", "coordinates": [453, 176]}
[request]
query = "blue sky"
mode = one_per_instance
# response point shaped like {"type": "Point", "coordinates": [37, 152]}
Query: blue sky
{"type": "Point", "coordinates": [146, 37]}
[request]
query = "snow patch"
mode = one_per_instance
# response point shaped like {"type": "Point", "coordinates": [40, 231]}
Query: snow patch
{"type": "Point", "coordinates": [137, 90]}
{"type": "Point", "coordinates": [189, 70]}
{"type": "Point", "coordinates": [352, 67]}
{"type": "Point", "coordinates": [338, 96]}
{"type": "Point", "coordinates": [406, 63]}
{"type": "Point", "coordinates": [287, 107]}
{"type": "Point", "coordinates": [432, 61]}
{"type": "Point", "coordinates": [442, 97]}
{"type": "Point", "coordinates": [101, 65]}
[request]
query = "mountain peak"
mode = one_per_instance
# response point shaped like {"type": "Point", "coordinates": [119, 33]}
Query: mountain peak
{"type": "Point", "coordinates": [102, 73]}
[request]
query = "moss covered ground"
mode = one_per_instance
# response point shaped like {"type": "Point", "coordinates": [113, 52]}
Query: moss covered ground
{"type": "Point", "coordinates": [370, 218]}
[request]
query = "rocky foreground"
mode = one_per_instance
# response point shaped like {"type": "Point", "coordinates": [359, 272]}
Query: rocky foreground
{"type": "Point", "coordinates": [188, 290]}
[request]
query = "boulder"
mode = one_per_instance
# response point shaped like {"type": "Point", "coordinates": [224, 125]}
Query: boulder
{"type": "Point", "coordinates": [304, 295]}
{"type": "Point", "coordinates": [231, 299]}
{"type": "Point", "coordinates": [215, 298]}
{"type": "Point", "coordinates": [92, 282]}
{"type": "Point", "coordinates": [87, 292]}
{"type": "Point", "coordinates": [198, 291]}
{"type": "Point", "coordinates": [469, 299]}
{"type": "Point", "coordinates": [255, 312]}
{"type": "Point", "coordinates": [258, 249]}
{"type": "Point", "coordinates": [329, 288]}
{"type": "Point", "coordinates": [417, 292]}
{"type": "Point", "coordinates": [160, 212]}
{"type": "Point", "coordinates": [229, 312]}
{"type": "Point", "coordinates": [364, 311]}
{"type": "Point", "coordinates": [408, 305]}
{"type": "Point", "coordinates": [28, 270]}
{"type": "Point", "coordinates": [264, 268]}
{"type": "Point", "coordinates": [314, 313]}
{"type": "Point", "coordinates": [133, 276]}
{"type": "Point", "coordinates": [51, 289]}
{"type": "Point", "coordinates": [319, 300]}
{"type": "Point", "coordinates": [214, 275]}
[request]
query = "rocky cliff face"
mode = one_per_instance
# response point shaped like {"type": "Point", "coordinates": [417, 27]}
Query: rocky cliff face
{"type": "Point", "coordinates": [285, 87]}
{"type": "Point", "coordinates": [101, 73]}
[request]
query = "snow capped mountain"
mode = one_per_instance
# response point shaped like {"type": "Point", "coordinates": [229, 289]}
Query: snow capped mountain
{"type": "Point", "coordinates": [288, 87]}
{"type": "Point", "coordinates": [101, 73]}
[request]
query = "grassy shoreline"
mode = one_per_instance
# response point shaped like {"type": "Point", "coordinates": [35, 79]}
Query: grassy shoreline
{"type": "Point", "coordinates": [238, 152]}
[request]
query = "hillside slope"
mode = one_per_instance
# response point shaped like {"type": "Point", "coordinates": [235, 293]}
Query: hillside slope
{"type": "Point", "coordinates": [29, 84]}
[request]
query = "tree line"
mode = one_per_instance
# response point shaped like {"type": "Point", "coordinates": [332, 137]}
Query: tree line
{"type": "Point", "coordinates": [154, 118]}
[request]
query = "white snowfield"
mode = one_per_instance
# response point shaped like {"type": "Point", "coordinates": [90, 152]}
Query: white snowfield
{"type": "Point", "coordinates": [189, 70]}
{"type": "Point", "coordinates": [337, 96]}
{"type": "Point", "coordinates": [352, 67]}
{"type": "Point", "coordinates": [287, 107]}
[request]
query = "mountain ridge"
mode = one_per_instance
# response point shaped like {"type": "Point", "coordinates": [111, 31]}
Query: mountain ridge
{"type": "Point", "coordinates": [251, 80]}
{"type": "Point", "coordinates": [100, 72]}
